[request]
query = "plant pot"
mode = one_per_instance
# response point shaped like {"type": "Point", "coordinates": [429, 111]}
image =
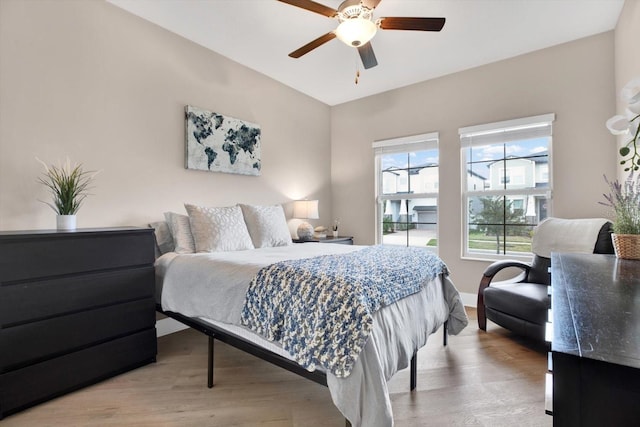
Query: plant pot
{"type": "Point", "coordinates": [627, 246]}
{"type": "Point", "coordinates": [335, 234]}
{"type": "Point", "coordinates": [66, 222]}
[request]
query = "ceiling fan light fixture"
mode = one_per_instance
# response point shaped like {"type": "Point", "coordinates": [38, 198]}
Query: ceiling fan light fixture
{"type": "Point", "coordinates": [356, 31]}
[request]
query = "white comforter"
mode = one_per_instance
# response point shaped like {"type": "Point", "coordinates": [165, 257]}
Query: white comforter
{"type": "Point", "coordinates": [213, 286]}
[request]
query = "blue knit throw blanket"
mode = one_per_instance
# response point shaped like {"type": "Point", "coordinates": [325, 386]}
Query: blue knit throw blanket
{"type": "Point", "coordinates": [321, 309]}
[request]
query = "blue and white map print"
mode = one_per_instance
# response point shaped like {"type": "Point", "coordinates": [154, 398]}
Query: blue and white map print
{"type": "Point", "coordinates": [221, 144]}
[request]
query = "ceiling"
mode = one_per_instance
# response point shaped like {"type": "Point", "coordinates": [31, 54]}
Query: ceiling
{"type": "Point", "coordinates": [260, 34]}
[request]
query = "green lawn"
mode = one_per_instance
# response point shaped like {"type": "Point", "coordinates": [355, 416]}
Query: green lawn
{"type": "Point", "coordinates": [480, 241]}
{"type": "Point", "coordinates": [514, 243]}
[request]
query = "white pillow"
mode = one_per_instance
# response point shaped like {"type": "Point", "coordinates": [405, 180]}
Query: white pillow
{"type": "Point", "coordinates": [164, 240]}
{"type": "Point", "coordinates": [181, 232]}
{"type": "Point", "coordinates": [218, 229]}
{"type": "Point", "coordinates": [267, 225]}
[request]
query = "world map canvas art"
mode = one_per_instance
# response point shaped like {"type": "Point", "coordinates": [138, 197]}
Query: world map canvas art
{"type": "Point", "coordinates": [218, 143]}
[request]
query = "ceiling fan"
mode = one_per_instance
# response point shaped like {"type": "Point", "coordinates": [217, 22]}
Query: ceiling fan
{"type": "Point", "coordinates": [357, 26]}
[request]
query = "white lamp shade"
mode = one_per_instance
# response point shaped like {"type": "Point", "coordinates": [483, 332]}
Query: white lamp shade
{"type": "Point", "coordinates": [305, 209]}
{"type": "Point", "coordinates": [356, 31]}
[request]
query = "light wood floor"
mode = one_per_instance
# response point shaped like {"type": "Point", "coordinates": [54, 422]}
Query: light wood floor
{"type": "Point", "coordinates": [479, 379]}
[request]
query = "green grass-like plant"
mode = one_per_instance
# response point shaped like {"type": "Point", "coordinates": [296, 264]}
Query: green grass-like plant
{"type": "Point", "coordinates": [68, 184]}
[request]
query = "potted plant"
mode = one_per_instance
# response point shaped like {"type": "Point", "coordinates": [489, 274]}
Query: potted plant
{"type": "Point", "coordinates": [624, 199]}
{"type": "Point", "coordinates": [334, 227]}
{"type": "Point", "coordinates": [69, 187]}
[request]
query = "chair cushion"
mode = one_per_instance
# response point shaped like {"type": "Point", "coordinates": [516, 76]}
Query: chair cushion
{"type": "Point", "coordinates": [527, 301]}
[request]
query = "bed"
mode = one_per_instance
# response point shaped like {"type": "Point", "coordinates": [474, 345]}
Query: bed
{"type": "Point", "coordinates": [210, 291]}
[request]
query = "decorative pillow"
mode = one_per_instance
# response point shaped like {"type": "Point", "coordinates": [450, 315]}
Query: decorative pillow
{"type": "Point", "coordinates": [181, 232]}
{"type": "Point", "coordinates": [164, 241]}
{"type": "Point", "coordinates": [218, 229]}
{"type": "Point", "coordinates": [267, 225]}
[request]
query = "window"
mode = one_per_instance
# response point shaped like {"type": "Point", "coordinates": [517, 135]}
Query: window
{"type": "Point", "coordinates": [506, 185]}
{"type": "Point", "coordinates": [407, 177]}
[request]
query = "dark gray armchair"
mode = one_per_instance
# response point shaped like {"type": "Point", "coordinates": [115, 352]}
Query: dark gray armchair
{"type": "Point", "coordinates": [521, 304]}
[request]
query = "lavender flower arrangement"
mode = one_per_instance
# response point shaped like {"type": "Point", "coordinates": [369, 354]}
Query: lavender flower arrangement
{"type": "Point", "coordinates": [624, 199]}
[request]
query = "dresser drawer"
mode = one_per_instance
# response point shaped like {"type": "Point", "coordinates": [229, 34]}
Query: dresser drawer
{"type": "Point", "coordinates": [32, 342]}
{"type": "Point", "coordinates": [28, 257]}
{"type": "Point", "coordinates": [36, 383]}
{"type": "Point", "coordinates": [32, 301]}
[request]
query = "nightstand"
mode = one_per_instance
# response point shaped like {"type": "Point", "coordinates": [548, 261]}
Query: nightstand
{"type": "Point", "coordinates": [341, 240]}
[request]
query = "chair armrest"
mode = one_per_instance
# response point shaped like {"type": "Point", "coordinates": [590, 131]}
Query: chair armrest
{"type": "Point", "coordinates": [497, 266]}
{"type": "Point", "coordinates": [487, 277]}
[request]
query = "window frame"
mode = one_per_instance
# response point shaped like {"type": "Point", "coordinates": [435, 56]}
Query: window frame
{"type": "Point", "coordinates": [502, 132]}
{"type": "Point", "coordinates": [407, 144]}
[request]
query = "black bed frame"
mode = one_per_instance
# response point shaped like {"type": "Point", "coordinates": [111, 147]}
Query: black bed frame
{"type": "Point", "coordinates": [240, 343]}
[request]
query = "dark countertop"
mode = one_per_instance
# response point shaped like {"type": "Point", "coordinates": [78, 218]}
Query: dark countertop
{"type": "Point", "coordinates": [596, 307]}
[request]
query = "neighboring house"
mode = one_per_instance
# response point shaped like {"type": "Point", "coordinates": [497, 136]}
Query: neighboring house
{"type": "Point", "coordinates": [523, 173]}
{"type": "Point", "coordinates": [423, 179]}
{"type": "Point", "coordinates": [419, 179]}
{"type": "Point", "coordinates": [476, 181]}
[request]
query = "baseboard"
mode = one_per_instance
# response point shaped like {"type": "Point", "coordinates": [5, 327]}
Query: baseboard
{"type": "Point", "coordinates": [168, 326]}
{"type": "Point", "coordinates": [469, 300]}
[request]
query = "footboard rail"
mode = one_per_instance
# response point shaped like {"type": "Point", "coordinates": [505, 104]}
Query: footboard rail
{"type": "Point", "coordinates": [242, 344]}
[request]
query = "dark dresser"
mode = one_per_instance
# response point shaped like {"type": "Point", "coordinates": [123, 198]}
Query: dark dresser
{"type": "Point", "coordinates": [76, 307]}
{"type": "Point", "coordinates": [595, 301]}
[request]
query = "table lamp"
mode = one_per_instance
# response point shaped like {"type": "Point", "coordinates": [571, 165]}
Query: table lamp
{"type": "Point", "coordinates": [305, 209]}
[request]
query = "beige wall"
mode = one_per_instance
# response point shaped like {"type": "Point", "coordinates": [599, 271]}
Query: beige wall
{"type": "Point", "coordinates": [573, 80]}
{"type": "Point", "coordinates": [627, 59]}
{"type": "Point", "coordinates": [88, 80]}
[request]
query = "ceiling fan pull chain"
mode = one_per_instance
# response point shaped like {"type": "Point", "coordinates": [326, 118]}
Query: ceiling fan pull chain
{"type": "Point", "coordinates": [357, 64]}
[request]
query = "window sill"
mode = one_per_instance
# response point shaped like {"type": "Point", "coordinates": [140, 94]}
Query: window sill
{"type": "Point", "coordinates": [492, 258]}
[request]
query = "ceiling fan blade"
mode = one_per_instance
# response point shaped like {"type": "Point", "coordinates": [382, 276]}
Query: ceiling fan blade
{"type": "Point", "coordinates": [313, 7]}
{"type": "Point", "coordinates": [417, 24]}
{"type": "Point", "coordinates": [368, 57]}
{"type": "Point", "coordinates": [313, 44]}
{"type": "Point", "coordinates": [371, 4]}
